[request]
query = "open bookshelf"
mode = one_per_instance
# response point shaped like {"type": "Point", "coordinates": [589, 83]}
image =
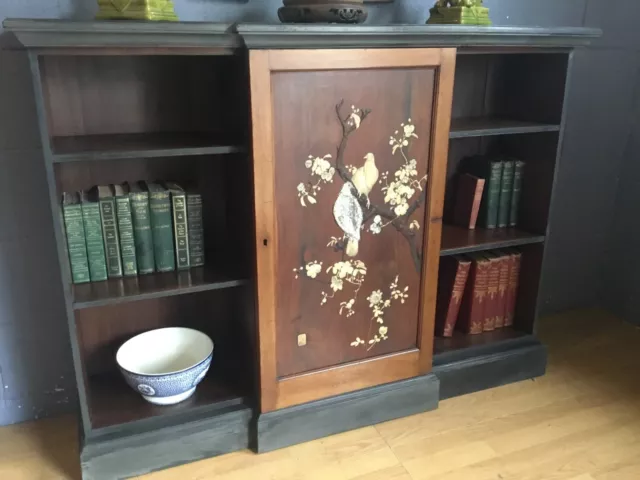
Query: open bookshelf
{"type": "Point", "coordinates": [110, 119]}
{"type": "Point", "coordinates": [505, 104]}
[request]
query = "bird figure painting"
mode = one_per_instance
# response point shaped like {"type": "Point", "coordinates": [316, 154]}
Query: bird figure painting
{"type": "Point", "coordinates": [349, 216]}
{"type": "Point", "coordinates": [347, 210]}
{"type": "Point", "coordinates": [365, 177]}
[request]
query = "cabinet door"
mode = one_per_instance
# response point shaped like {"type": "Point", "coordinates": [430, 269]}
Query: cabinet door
{"type": "Point", "coordinates": [350, 152]}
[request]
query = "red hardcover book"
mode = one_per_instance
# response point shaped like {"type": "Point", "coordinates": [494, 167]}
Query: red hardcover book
{"type": "Point", "coordinates": [471, 316]}
{"type": "Point", "coordinates": [505, 264]}
{"type": "Point", "coordinates": [492, 307]}
{"type": "Point", "coordinates": [468, 199]}
{"type": "Point", "coordinates": [512, 289]}
{"type": "Point", "coordinates": [452, 280]}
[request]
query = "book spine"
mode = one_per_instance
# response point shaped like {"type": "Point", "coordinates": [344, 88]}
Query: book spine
{"type": "Point", "coordinates": [471, 317]}
{"type": "Point", "coordinates": [76, 243]}
{"type": "Point", "coordinates": [457, 291]}
{"type": "Point", "coordinates": [512, 293]}
{"type": "Point", "coordinates": [196, 230]}
{"type": "Point", "coordinates": [505, 262]}
{"type": "Point", "coordinates": [515, 197]}
{"type": "Point", "coordinates": [110, 237]}
{"type": "Point", "coordinates": [95, 244]}
{"type": "Point", "coordinates": [160, 208]}
{"type": "Point", "coordinates": [180, 230]}
{"type": "Point", "coordinates": [491, 307]}
{"type": "Point", "coordinates": [475, 207]}
{"type": "Point", "coordinates": [142, 235]}
{"type": "Point", "coordinates": [492, 195]}
{"type": "Point", "coordinates": [506, 191]}
{"type": "Point", "coordinates": [127, 240]}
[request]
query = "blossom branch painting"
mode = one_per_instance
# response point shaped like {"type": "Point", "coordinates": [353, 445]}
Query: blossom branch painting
{"type": "Point", "coordinates": [403, 191]}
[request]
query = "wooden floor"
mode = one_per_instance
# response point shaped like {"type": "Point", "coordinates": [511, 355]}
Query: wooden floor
{"type": "Point", "coordinates": [579, 422]}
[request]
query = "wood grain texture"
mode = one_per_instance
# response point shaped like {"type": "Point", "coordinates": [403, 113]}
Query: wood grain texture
{"type": "Point", "coordinates": [285, 240]}
{"type": "Point", "coordinates": [394, 95]}
{"type": "Point", "coordinates": [578, 422]}
{"type": "Point", "coordinates": [100, 95]}
{"type": "Point", "coordinates": [265, 221]}
{"type": "Point", "coordinates": [435, 206]}
{"type": "Point", "coordinates": [282, 60]}
{"type": "Point", "coordinates": [355, 376]}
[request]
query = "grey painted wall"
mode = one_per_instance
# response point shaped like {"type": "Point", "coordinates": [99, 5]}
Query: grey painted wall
{"type": "Point", "coordinates": [621, 290]}
{"type": "Point", "coordinates": [35, 365]}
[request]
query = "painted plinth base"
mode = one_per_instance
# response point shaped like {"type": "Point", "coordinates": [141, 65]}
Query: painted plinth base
{"type": "Point", "coordinates": [302, 423]}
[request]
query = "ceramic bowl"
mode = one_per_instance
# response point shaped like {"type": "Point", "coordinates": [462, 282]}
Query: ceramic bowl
{"type": "Point", "coordinates": [166, 364]}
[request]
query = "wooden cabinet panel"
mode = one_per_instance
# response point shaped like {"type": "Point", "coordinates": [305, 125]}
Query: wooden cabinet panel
{"type": "Point", "coordinates": [349, 159]}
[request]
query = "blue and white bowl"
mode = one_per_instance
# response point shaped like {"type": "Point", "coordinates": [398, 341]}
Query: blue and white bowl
{"type": "Point", "coordinates": [166, 364]}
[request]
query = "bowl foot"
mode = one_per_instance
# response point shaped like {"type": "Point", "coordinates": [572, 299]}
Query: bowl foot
{"type": "Point", "coordinates": [172, 400]}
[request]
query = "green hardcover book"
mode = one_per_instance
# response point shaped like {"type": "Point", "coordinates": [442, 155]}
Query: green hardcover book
{"type": "Point", "coordinates": [125, 230]}
{"type": "Point", "coordinates": [93, 235]}
{"type": "Point", "coordinates": [180, 225]}
{"type": "Point", "coordinates": [518, 172]}
{"type": "Point", "coordinates": [161, 226]}
{"type": "Point", "coordinates": [506, 191]}
{"type": "Point", "coordinates": [491, 171]}
{"type": "Point", "coordinates": [142, 235]}
{"type": "Point", "coordinates": [76, 241]}
{"type": "Point", "coordinates": [109, 230]}
{"type": "Point", "coordinates": [196, 230]}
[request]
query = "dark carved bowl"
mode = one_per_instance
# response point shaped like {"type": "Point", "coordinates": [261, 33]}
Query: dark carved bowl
{"type": "Point", "coordinates": [323, 13]}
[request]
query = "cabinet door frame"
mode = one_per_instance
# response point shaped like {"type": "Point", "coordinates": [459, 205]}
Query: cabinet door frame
{"type": "Point", "coordinates": [277, 393]}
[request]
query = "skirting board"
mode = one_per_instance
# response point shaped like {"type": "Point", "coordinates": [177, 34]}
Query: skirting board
{"type": "Point", "coordinates": [321, 418]}
{"type": "Point", "coordinates": [167, 447]}
{"type": "Point", "coordinates": [462, 376]}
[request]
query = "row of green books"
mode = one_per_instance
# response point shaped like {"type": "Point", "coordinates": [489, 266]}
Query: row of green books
{"type": "Point", "coordinates": [132, 229]}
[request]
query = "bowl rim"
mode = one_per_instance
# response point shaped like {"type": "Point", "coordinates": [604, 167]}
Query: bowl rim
{"type": "Point", "coordinates": [164, 374]}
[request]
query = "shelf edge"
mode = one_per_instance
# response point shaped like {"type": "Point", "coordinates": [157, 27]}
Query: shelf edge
{"type": "Point", "coordinates": [154, 153]}
{"type": "Point", "coordinates": [445, 252]}
{"type": "Point", "coordinates": [159, 294]}
{"type": "Point", "coordinates": [492, 132]}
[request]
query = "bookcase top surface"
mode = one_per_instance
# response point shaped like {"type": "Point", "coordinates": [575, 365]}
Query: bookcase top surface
{"type": "Point", "coordinates": [96, 34]}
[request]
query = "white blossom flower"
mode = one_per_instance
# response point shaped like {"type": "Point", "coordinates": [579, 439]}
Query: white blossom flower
{"type": "Point", "coordinates": [374, 298]}
{"type": "Point", "coordinates": [383, 331]}
{"type": "Point", "coordinates": [313, 269]}
{"type": "Point", "coordinates": [308, 163]}
{"type": "Point", "coordinates": [401, 209]}
{"type": "Point", "coordinates": [414, 225]}
{"type": "Point", "coordinates": [357, 341]}
{"type": "Point", "coordinates": [302, 188]}
{"type": "Point", "coordinates": [336, 284]}
{"type": "Point", "coordinates": [409, 131]}
{"type": "Point", "coordinates": [376, 225]}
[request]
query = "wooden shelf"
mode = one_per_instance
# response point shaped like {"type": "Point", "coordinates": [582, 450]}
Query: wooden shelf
{"type": "Point", "coordinates": [457, 240]}
{"type": "Point", "coordinates": [138, 145]}
{"type": "Point", "coordinates": [112, 402]}
{"type": "Point", "coordinates": [144, 287]}
{"type": "Point", "coordinates": [475, 344]}
{"type": "Point", "coordinates": [488, 126]}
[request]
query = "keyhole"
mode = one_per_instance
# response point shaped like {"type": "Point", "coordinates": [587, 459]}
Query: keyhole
{"type": "Point", "coordinates": [264, 242]}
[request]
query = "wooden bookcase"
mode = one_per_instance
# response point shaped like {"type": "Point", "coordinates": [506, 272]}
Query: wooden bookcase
{"type": "Point", "coordinates": [182, 102]}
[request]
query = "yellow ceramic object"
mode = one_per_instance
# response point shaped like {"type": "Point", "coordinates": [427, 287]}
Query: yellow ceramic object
{"type": "Point", "coordinates": [160, 10]}
{"type": "Point", "coordinates": [459, 12]}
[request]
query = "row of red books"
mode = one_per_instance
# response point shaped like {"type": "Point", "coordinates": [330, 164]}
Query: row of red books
{"type": "Point", "coordinates": [477, 292]}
